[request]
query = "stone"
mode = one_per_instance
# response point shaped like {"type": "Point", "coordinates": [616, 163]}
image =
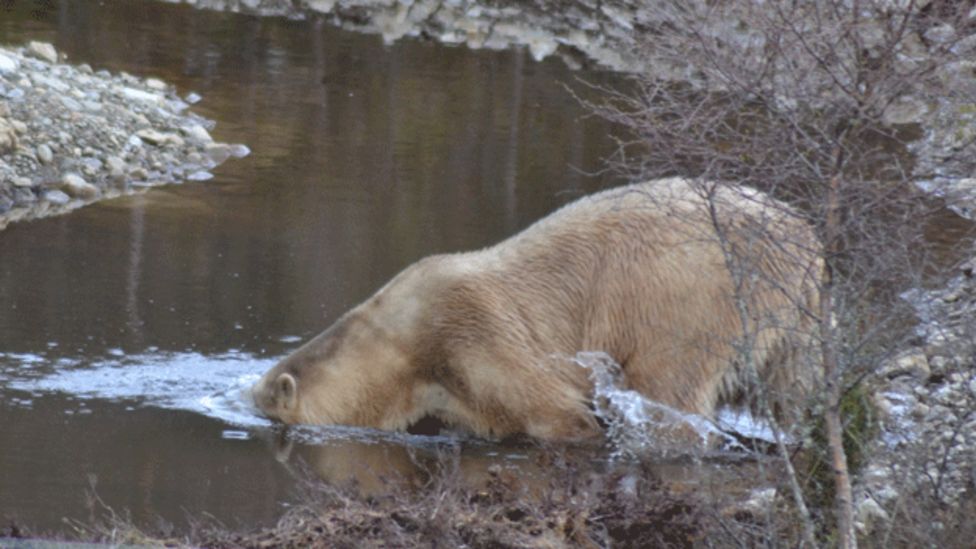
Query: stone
{"type": "Point", "coordinates": [43, 51]}
{"type": "Point", "coordinates": [155, 84]}
{"type": "Point", "coordinates": [8, 65]}
{"type": "Point", "coordinates": [18, 126]}
{"type": "Point", "coordinates": [74, 185]}
{"type": "Point", "coordinates": [71, 104]}
{"type": "Point", "coordinates": [940, 33]}
{"type": "Point", "coordinates": [139, 95]}
{"type": "Point", "coordinates": [23, 182]}
{"type": "Point", "coordinates": [116, 166]}
{"type": "Point", "coordinates": [912, 363]}
{"type": "Point", "coordinates": [57, 197]}
{"type": "Point", "coordinates": [198, 133]}
{"type": "Point", "coordinates": [908, 110]}
{"type": "Point", "coordinates": [218, 152]}
{"type": "Point", "coordinates": [44, 153]}
{"type": "Point", "coordinates": [160, 139]}
{"type": "Point", "coordinates": [869, 513]}
{"type": "Point", "coordinates": [8, 137]}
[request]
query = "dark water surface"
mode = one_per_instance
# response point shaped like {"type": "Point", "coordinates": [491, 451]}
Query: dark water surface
{"type": "Point", "coordinates": [128, 328]}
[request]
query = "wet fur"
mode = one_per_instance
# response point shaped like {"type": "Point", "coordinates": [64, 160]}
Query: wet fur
{"type": "Point", "coordinates": [483, 340]}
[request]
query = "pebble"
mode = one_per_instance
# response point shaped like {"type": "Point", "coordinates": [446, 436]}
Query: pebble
{"type": "Point", "coordinates": [8, 137]}
{"type": "Point", "coordinates": [43, 51]}
{"type": "Point", "coordinates": [22, 182]}
{"type": "Point", "coordinates": [139, 95]}
{"type": "Point", "coordinates": [7, 65]}
{"type": "Point", "coordinates": [74, 185]}
{"type": "Point", "coordinates": [71, 104]}
{"type": "Point", "coordinates": [913, 364]}
{"type": "Point", "coordinates": [159, 138]}
{"type": "Point", "coordinates": [56, 197]}
{"type": "Point", "coordinates": [155, 84]}
{"type": "Point", "coordinates": [115, 165]}
{"type": "Point", "coordinates": [44, 154]}
{"type": "Point", "coordinates": [198, 133]}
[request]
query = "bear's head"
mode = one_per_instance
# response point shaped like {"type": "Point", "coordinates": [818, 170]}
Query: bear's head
{"type": "Point", "coordinates": [361, 371]}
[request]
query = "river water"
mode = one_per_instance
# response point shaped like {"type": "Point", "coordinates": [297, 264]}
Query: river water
{"type": "Point", "coordinates": [128, 328]}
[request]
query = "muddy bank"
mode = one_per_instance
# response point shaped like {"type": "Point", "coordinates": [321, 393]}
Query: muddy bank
{"type": "Point", "coordinates": [70, 135]}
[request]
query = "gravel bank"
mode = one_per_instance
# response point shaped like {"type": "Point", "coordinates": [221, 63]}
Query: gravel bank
{"type": "Point", "coordinates": [70, 136]}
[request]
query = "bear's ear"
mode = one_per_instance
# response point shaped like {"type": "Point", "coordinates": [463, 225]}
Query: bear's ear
{"type": "Point", "coordinates": [285, 391]}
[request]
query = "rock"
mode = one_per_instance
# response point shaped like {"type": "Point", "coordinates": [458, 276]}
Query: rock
{"type": "Point", "coordinates": [56, 197]}
{"type": "Point", "coordinates": [23, 182]}
{"type": "Point", "coordinates": [116, 166]}
{"type": "Point", "coordinates": [18, 126]}
{"type": "Point", "coordinates": [869, 513]}
{"type": "Point", "coordinates": [43, 51]}
{"type": "Point", "coordinates": [941, 33]}
{"type": "Point", "coordinates": [198, 133]}
{"type": "Point", "coordinates": [239, 150]}
{"type": "Point", "coordinates": [200, 175]}
{"type": "Point", "coordinates": [912, 363]}
{"type": "Point", "coordinates": [908, 110]}
{"type": "Point", "coordinates": [139, 95]}
{"type": "Point", "coordinates": [160, 139]}
{"type": "Point", "coordinates": [8, 65]}
{"type": "Point", "coordinates": [8, 137]}
{"type": "Point", "coordinates": [44, 154]}
{"type": "Point", "coordinates": [74, 185]}
{"type": "Point", "coordinates": [218, 152]}
{"type": "Point", "coordinates": [155, 84]}
{"type": "Point", "coordinates": [759, 503]}
{"type": "Point", "coordinates": [322, 6]}
{"type": "Point", "coordinates": [968, 268]}
{"type": "Point", "coordinates": [71, 104]}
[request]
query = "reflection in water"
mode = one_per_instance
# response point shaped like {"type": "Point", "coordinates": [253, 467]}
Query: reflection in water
{"type": "Point", "coordinates": [137, 229]}
{"type": "Point", "coordinates": [374, 464]}
{"type": "Point", "coordinates": [511, 159]}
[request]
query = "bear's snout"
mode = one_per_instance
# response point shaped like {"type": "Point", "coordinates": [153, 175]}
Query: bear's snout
{"type": "Point", "coordinates": [262, 398]}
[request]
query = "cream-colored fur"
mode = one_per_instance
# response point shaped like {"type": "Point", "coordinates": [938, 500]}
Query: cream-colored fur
{"type": "Point", "coordinates": [482, 340]}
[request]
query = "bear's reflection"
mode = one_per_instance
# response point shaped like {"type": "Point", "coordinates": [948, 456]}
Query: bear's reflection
{"type": "Point", "coordinates": [376, 465]}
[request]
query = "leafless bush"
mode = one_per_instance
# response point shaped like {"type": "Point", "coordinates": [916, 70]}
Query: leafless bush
{"type": "Point", "coordinates": [821, 104]}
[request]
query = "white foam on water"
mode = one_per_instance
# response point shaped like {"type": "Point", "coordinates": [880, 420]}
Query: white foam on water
{"type": "Point", "coordinates": [639, 426]}
{"type": "Point", "coordinates": [743, 423]}
{"type": "Point", "coordinates": [216, 386]}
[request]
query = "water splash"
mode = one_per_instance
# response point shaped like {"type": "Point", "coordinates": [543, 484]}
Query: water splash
{"type": "Point", "coordinates": [216, 386]}
{"type": "Point", "coordinates": [638, 426]}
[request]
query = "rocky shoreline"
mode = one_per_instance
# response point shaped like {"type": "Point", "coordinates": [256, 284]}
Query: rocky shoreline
{"type": "Point", "coordinates": [70, 135]}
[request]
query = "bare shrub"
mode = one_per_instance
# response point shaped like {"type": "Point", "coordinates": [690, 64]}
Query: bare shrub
{"type": "Point", "coordinates": [824, 105]}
